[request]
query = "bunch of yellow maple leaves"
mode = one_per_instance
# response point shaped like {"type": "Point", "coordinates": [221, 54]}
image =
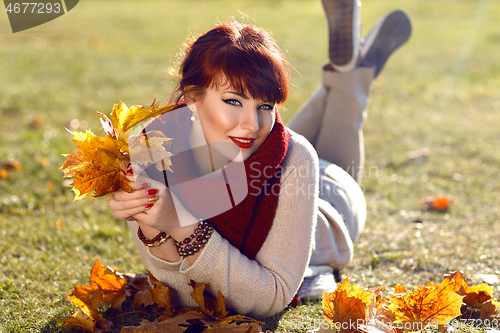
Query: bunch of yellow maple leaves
{"type": "Point", "coordinates": [99, 164]}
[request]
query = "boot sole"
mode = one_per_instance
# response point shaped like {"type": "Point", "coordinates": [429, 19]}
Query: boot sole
{"type": "Point", "coordinates": [340, 15]}
{"type": "Point", "coordinates": [393, 32]}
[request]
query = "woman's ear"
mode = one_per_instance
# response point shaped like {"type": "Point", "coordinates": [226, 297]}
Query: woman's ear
{"type": "Point", "coordinates": [189, 98]}
{"type": "Point", "coordinates": [193, 94]}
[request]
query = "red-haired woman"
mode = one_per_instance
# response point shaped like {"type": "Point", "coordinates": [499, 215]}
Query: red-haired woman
{"type": "Point", "coordinates": [257, 253]}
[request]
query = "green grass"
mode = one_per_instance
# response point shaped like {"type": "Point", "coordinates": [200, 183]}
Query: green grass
{"type": "Point", "coordinates": [439, 91]}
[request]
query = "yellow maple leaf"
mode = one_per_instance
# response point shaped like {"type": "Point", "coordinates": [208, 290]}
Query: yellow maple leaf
{"type": "Point", "coordinates": [149, 148]}
{"type": "Point", "coordinates": [108, 287]}
{"type": "Point", "coordinates": [161, 295]}
{"type": "Point", "coordinates": [346, 305]}
{"type": "Point", "coordinates": [452, 282]}
{"type": "Point", "coordinates": [399, 289]}
{"type": "Point", "coordinates": [475, 296]}
{"type": "Point", "coordinates": [124, 118]}
{"type": "Point", "coordinates": [210, 305]}
{"type": "Point", "coordinates": [153, 291]}
{"type": "Point", "coordinates": [112, 283]}
{"type": "Point", "coordinates": [87, 316]}
{"type": "Point", "coordinates": [119, 136]}
{"type": "Point", "coordinates": [81, 320]}
{"type": "Point", "coordinates": [487, 309]}
{"type": "Point", "coordinates": [427, 304]}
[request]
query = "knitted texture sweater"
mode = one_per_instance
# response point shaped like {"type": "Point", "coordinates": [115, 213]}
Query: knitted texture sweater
{"type": "Point", "coordinates": [263, 286]}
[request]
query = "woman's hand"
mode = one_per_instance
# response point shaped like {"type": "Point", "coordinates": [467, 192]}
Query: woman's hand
{"type": "Point", "coordinates": [149, 203]}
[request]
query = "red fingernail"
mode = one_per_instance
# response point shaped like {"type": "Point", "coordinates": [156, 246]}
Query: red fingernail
{"type": "Point", "coordinates": [144, 185]}
{"type": "Point", "coordinates": [152, 191]}
{"type": "Point", "coordinates": [130, 172]}
{"type": "Point", "coordinates": [149, 205]}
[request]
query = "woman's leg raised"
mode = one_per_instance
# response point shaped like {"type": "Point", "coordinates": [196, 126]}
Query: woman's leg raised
{"type": "Point", "coordinates": [332, 119]}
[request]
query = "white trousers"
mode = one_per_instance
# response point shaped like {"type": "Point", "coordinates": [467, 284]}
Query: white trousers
{"type": "Point", "coordinates": [332, 120]}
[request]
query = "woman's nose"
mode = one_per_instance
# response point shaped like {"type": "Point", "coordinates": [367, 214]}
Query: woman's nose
{"type": "Point", "coordinates": [250, 120]}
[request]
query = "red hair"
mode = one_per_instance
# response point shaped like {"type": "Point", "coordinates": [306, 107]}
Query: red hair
{"type": "Point", "coordinates": [243, 56]}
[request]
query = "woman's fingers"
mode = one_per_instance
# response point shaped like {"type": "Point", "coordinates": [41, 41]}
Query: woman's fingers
{"type": "Point", "coordinates": [119, 201]}
{"type": "Point", "coordinates": [125, 205]}
{"type": "Point", "coordinates": [131, 214]}
{"type": "Point", "coordinates": [137, 184]}
{"type": "Point", "coordinates": [139, 179]}
{"type": "Point", "coordinates": [143, 217]}
{"type": "Point", "coordinates": [141, 199]}
{"type": "Point", "coordinates": [134, 185]}
{"type": "Point", "coordinates": [124, 209]}
{"type": "Point", "coordinates": [125, 196]}
{"type": "Point", "coordinates": [141, 182]}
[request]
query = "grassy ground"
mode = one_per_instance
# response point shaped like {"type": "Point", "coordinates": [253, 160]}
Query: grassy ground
{"type": "Point", "coordinates": [440, 91]}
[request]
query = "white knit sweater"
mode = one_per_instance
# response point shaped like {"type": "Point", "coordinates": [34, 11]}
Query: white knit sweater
{"type": "Point", "coordinates": [266, 285]}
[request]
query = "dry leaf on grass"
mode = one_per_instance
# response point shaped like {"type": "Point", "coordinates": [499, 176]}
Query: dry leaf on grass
{"type": "Point", "coordinates": [215, 307]}
{"type": "Point", "coordinates": [4, 174]}
{"type": "Point", "coordinates": [11, 165]}
{"type": "Point", "coordinates": [81, 319]}
{"type": "Point", "coordinates": [155, 293]}
{"type": "Point", "coordinates": [453, 282]}
{"type": "Point", "coordinates": [346, 306]}
{"type": "Point", "coordinates": [488, 309]}
{"type": "Point", "coordinates": [440, 203]}
{"type": "Point", "coordinates": [109, 287]}
{"type": "Point", "coordinates": [87, 317]}
{"type": "Point", "coordinates": [476, 295]}
{"type": "Point", "coordinates": [399, 289]}
{"type": "Point", "coordinates": [7, 166]}
{"type": "Point", "coordinates": [426, 305]}
{"type": "Point", "coordinates": [147, 327]}
{"type": "Point", "coordinates": [37, 121]}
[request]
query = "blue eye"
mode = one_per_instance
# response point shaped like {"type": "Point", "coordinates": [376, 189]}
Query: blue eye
{"type": "Point", "coordinates": [234, 102]}
{"type": "Point", "coordinates": [266, 107]}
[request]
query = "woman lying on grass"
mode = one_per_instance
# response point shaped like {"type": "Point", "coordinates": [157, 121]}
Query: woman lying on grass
{"type": "Point", "coordinates": [299, 216]}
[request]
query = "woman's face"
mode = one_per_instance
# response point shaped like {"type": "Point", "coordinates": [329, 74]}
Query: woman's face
{"type": "Point", "coordinates": [228, 116]}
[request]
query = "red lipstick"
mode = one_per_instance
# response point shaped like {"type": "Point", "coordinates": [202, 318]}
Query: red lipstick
{"type": "Point", "coordinates": [242, 142]}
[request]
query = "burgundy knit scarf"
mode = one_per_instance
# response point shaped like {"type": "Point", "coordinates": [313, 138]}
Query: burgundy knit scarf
{"type": "Point", "coordinates": [247, 224]}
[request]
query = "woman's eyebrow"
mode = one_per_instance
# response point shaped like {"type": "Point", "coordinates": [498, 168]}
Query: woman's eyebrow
{"type": "Point", "coordinates": [242, 95]}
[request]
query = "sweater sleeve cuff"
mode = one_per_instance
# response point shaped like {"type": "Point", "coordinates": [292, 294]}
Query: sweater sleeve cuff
{"type": "Point", "coordinates": [202, 268]}
{"type": "Point", "coordinates": [161, 264]}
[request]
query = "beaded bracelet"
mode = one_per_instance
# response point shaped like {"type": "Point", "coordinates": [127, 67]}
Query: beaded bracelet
{"type": "Point", "coordinates": [201, 235]}
{"type": "Point", "coordinates": [161, 238]}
